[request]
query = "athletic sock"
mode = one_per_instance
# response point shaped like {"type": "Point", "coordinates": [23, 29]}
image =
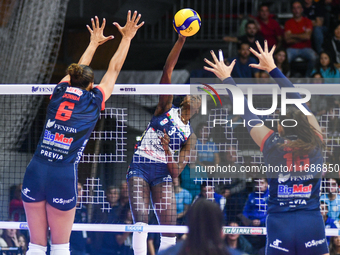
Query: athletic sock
{"type": "Point", "coordinates": [167, 242]}
{"type": "Point", "coordinates": [139, 241]}
{"type": "Point", "coordinates": [35, 249]}
{"type": "Point", "coordinates": [60, 249]}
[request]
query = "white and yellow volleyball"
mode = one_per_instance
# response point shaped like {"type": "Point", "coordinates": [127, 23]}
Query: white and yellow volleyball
{"type": "Point", "coordinates": [187, 22]}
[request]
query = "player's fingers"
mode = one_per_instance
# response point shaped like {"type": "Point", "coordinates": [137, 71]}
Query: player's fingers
{"type": "Point", "coordinates": [259, 47]}
{"type": "Point", "coordinates": [257, 66]}
{"type": "Point", "coordinates": [93, 25]}
{"type": "Point", "coordinates": [134, 15]}
{"type": "Point", "coordinates": [88, 28]}
{"type": "Point", "coordinates": [97, 22]}
{"type": "Point", "coordinates": [210, 69]}
{"type": "Point", "coordinates": [209, 62]}
{"type": "Point", "coordinates": [272, 50]}
{"type": "Point", "coordinates": [103, 24]}
{"type": "Point", "coordinates": [214, 56]}
{"type": "Point", "coordinates": [254, 52]}
{"type": "Point", "coordinates": [232, 64]}
{"type": "Point", "coordinates": [137, 18]}
{"type": "Point", "coordinates": [117, 26]}
{"type": "Point", "coordinates": [265, 46]}
{"type": "Point", "coordinates": [141, 24]}
{"type": "Point", "coordinates": [128, 18]}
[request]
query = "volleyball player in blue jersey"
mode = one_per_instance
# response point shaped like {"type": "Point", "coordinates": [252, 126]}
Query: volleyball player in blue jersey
{"type": "Point", "coordinates": [161, 155]}
{"type": "Point", "coordinates": [50, 184]}
{"type": "Point", "coordinates": [294, 222]}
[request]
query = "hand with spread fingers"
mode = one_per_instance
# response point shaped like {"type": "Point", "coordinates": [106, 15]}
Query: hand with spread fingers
{"type": "Point", "coordinates": [97, 31]}
{"type": "Point", "coordinates": [266, 60]}
{"type": "Point", "coordinates": [219, 68]}
{"type": "Point", "coordinates": [131, 26]}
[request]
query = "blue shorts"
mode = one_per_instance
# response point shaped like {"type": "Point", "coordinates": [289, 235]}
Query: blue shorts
{"type": "Point", "coordinates": [54, 182]}
{"type": "Point", "coordinates": [297, 232]}
{"type": "Point", "coordinates": [153, 173]}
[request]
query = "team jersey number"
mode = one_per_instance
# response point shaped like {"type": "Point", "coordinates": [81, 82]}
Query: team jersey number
{"type": "Point", "coordinates": [64, 111]}
{"type": "Point", "coordinates": [299, 164]}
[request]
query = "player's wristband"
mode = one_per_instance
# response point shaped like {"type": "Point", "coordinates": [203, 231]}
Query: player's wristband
{"type": "Point", "coordinates": [248, 115]}
{"type": "Point", "coordinates": [283, 82]}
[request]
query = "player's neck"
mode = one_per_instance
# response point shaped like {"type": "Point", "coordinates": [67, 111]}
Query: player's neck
{"type": "Point", "coordinates": [185, 115]}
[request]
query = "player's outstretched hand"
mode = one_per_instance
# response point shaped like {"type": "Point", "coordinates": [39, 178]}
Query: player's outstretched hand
{"type": "Point", "coordinates": [266, 60]}
{"type": "Point", "coordinates": [96, 32]}
{"type": "Point", "coordinates": [131, 26]}
{"type": "Point", "coordinates": [219, 68]}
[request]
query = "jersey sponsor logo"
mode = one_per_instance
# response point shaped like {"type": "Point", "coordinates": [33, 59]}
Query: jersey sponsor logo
{"type": "Point", "coordinates": [80, 151]}
{"type": "Point", "coordinates": [295, 191]}
{"type": "Point", "coordinates": [57, 140]}
{"type": "Point", "coordinates": [283, 178]}
{"type": "Point", "coordinates": [167, 179]}
{"type": "Point", "coordinates": [51, 154]}
{"type": "Point", "coordinates": [312, 243]}
{"type": "Point", "coordinates": [74, 90]}
{"type": "Point", "coordinates": [276, 245]}
{"type": "Point", "coordinates": [62, 201]}
{"type": "Point", "coordinates": [163, 122]}
{"type": "Point", "coordinates": [49, 123]}
{"type": "Point", "coordinates": [302, 178]}
{"type": "Point", "coordinates": [72, 97]}
{"type": "Point", "coordinates": [65, 128]}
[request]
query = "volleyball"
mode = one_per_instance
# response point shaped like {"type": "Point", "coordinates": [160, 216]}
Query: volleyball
{"type": "Point", "coordinates": [187, 22]}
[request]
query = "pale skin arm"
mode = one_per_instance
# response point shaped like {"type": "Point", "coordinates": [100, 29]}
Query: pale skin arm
{"type": "Point", "coordinates": [128, 32]}
{"type": "Point", "coordinates": [175, 168]}
{"type": "Point", "coordinates": [97, 38]}
{"type": "Point", "coordinates": [165, 101]}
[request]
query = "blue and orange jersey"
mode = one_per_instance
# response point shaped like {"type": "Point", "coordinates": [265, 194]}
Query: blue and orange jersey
{"type": "Point", "coordinates": [71, 117]}
{"type": "Point", "coordinates": [296, 185]}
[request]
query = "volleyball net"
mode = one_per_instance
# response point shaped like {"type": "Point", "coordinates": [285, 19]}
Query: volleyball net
{"type": "Point", "coordinates": [226, 166]}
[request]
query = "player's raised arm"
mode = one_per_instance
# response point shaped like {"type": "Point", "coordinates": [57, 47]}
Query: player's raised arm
{"type": "Point", "coordinates": [266, 62]}
{"type": "Point", "coordinates": [165, 101]}
{"type": "Point", "coordinates": [223, 72]}
{"type": "Point", "coordinates": [128, 32]}
{"type": "Point", "coordinates": [97, 38]}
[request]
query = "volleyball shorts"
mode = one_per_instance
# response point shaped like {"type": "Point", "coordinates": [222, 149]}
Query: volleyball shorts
{"type": "Point", "coordinates": [297, 232]}
{"type": "Point", "coordinates": [54, 182]}
{"type": "Point", "coordinates": [152, 172]}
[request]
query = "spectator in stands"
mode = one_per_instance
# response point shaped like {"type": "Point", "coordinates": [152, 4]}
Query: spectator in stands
{"type": "Point", "coordinates": [269, 28]}
{"type": "Point", "coordinates": [281, 61]}
{"type": "Point", "coordinates": [316, 13]}
{"type": "Point", "coordinates": [207, 151]}
{"type": "Point", "coordinates": [298, 31]}
{"type": "Point", "coordinates": [78, 239]}
{"type": "Point", "coordinates": [9, 238]}
{"type": "Point", "coordinates": [205, 222]}
{"type": "Point", "coordinates": [208, 192]}
{"type": "Point", "coordinates": [237, 241]}
{"type": "Point", "coordinates": [329, 223]}
{"type": "Point", "coordinates": [22, 244]}
{"type": "Point", "coordinates": [124, 194]}
{"type": "Point", "coordinates": [332, 44]}
{"type": "Point", "coordinates": [183, 200]}
{"type": "Point", "coordinates": [332, 198]}
{"type": "Point", "coordinates": [16, 206]}
{"type": "Point", "coordinates": [326, 67]}
{"type": "Point", "coordinates": [250, 37]}
{"type": "Point", "coordinates": [243, 60]}
{"type": "Point", "coordinates": [334, 246]}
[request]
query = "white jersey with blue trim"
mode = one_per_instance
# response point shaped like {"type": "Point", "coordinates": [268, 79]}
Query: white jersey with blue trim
{"type": "Point", "coordinates": [150, 145]}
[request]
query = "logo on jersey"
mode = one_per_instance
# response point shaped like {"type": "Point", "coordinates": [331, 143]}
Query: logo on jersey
{"type": "Point", "coordinates": [163, 122]}
{"type": "Point", "coordinates": [283, 178]}
{"type": "Point", "coordinates": [295, 191]}
{"type": "Point", "coordinates": [75, 91]}
{"type": "Point", "coordinates": [57, 140]}
{"type": "Point", "coordinates": [62, 201]}
{"type": "Point", "coordinates": [72, 97]}
{"type": "Point", "coordinates": [50, 154]}
{"type": "Point", "coordinates": [25, 191]}
{"type": "Point", "coordinates": [61, 127]}
{"type": "Point", "coordinates": [315, 243]}
{"type": "Point", "coordinates": [50, 123]}
{"type": "Point", "coordinates": [276, 245]}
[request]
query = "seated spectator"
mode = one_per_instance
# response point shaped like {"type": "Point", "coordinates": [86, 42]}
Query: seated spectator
{"type": "Point", "coordinates": [16, 206]}
{"type": "Point", "coordinates": [9, 238]}
{"type": "Point", "coordinates": [22, 244]}
{"type": "Point", "coordinates": [205, 221]}
{"type": "Point", "coordinates": [298, 31]}
{"type": "Point", "coordinates": [334, 246]}
{"type": "Point", "coordinates": [316, 13]}
{"type": "Point", "coordinates": [326, 67]}
{"type": "Point", "coordinates": [237, 241]}
{"type": "Point", "coordinates": [183, 200]}
{"type": "Point", "coordinates": [124, 194]}
{"type": "Point", "coordinates": [208, 192]}
{"type": "Point", "coordinates": [269, 28]}
{"type": "Point", "coordinates": [78, 239]}
{"type": "Point", "coordinates": [249, 38]}
{"type": "Point", "coordinates": [281, 61]}
{"type": "Point", "coordinates": [329, 223]}
{"type": "Point", "coordinates": [243, 60]}
{"type": "Point", "coordinates": [332, 198]}
{"type": "Point", "coordinates": [332, 45]}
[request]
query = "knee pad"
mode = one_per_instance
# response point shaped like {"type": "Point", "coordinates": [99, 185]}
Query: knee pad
{"type": "Point", "coordinates": [139, 241]}
{"type": "Point", "coordinates": [60, 249]}
{"type": "Point", "coordinates": [35, 249]}
{"type": "Point", "coordinates": [167, 242]}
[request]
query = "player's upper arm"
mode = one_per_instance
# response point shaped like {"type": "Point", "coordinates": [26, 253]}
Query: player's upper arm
{"type": "Point", "coordinates": [260, 133]}
{"type": "Point", "coordinates": [314, 122]}
{"type": "Point", "coordinates": [107, 83]}
{"type": "Point", "coordinates": [164, 104]}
